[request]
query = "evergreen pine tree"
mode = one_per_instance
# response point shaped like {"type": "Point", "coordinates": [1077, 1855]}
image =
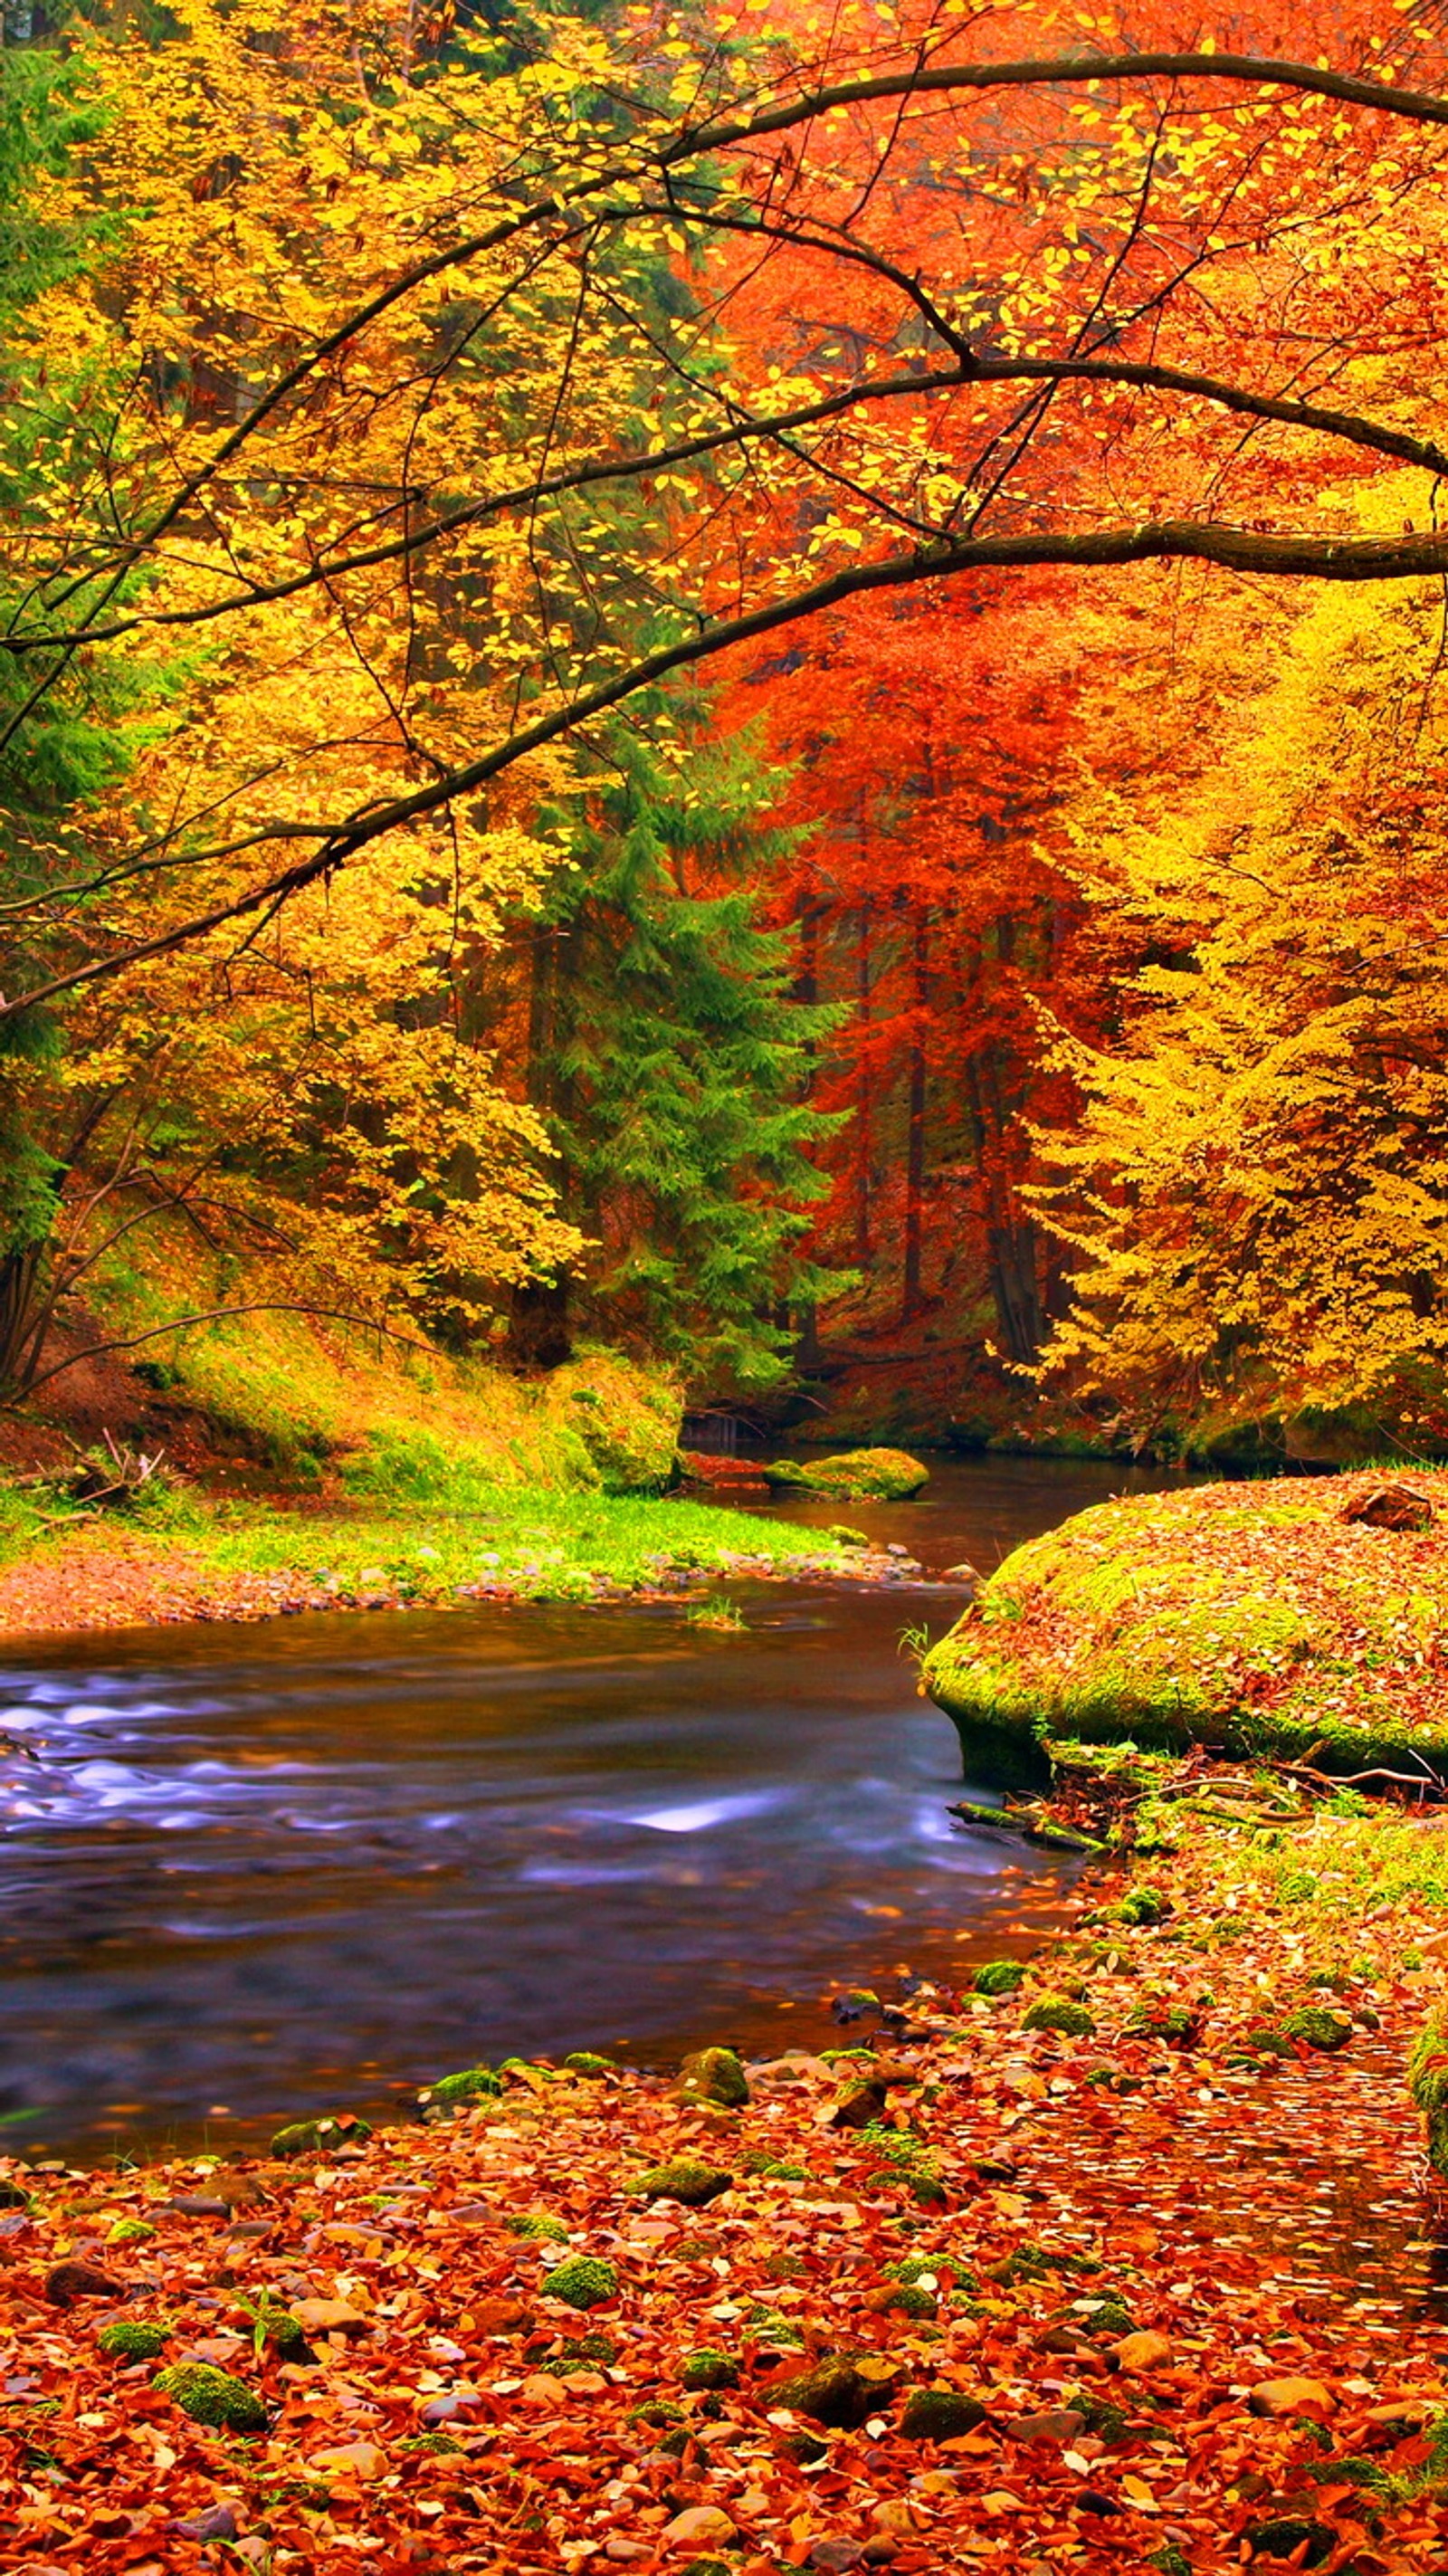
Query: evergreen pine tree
{"type": "Point", "coordinates": [669, 1054]}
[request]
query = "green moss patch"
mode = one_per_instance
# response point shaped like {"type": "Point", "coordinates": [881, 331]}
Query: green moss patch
{"type": "Point", "coordinates": [858, 1475]}
{"type": "Point", "coordinates": [1259, 1619]}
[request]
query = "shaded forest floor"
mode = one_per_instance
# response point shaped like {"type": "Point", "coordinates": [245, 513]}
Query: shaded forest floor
{"type": "Point", "coordinates": [1123, 2264]}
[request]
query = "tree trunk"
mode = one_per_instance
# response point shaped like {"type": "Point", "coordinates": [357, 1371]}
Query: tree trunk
{"type": "Point", "coordinates": [538, 1324]}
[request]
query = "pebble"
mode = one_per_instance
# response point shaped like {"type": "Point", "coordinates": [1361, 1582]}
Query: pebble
{"type": "Point", "coordinates": [217, 2523]}
{"type": "Point", "coordinates": [1288, 2396]}
{"type": "Point", "coordinates": [699, 2526]}
{"type": "Point", "coordinates": [1050, 2424]}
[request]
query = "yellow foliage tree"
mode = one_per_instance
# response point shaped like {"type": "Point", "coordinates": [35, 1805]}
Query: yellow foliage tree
{"type": "Point", "coordinates": [1258, 1196]}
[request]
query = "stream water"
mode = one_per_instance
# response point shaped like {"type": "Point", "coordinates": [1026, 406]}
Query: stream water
{"type": "Point", "coordinates": [254, 1871]}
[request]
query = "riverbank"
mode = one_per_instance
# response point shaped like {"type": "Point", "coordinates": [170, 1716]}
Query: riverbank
{"type": "Point", "coordinates": [187, 1556]}
{"type": "Point", "coordinates": [1113, 2258]}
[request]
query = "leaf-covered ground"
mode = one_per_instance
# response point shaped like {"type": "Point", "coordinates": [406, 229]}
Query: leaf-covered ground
{"type": "Point", "coordinates": [1242, 1616]}
{"type": "Point", "coordinates": [1157, 2262]}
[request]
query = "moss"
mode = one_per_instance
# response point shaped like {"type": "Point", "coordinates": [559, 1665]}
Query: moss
{"type": "Point", "coordinates": [129, 2231]}
{"type": "Point", "coordinates": [1058, 2013]}
{"type": "Point", "coordinates": [585, 2281]}
{"type": "Point", "coordinates": [658, 2415]}
{"type": "Point", "coordinates": [908, 2299]}
{"type": "Point", "coordinates": [1201, 1617]}
{"type": "Point", "coordinates": [583, 2061]}
{"type": "Point", "coordinates": [708, 2368]}
{"type": "Point", "coordinates": [999, 1977]}
{"type": "Point", "coordinates": [684, 2180]}
{"type": "Point", "coordinates": [212, 2397]}
{"type": "Point", "coordinates": [131, 2339]}
{"type": "Point", "coordinates": [590, 2352]}
{"type": "Point", "coordinates": [1143, 1904]}
{"type": "Point", "coordinates": [1108, 2315]}
{"type": "Point", "coordinates": [832, 2391]}
{"type": "Point", "coordinates": [859, 1475]}
{"type": "Point", "coordinates": [1428, 2086]}
{"type": "Point", "coordinates": [1174, 2022]}
{"type": "Point", "coordinates": [470, 2084]}
{"type": "Point", "coordinates": [714, 2075]}
{"type": "Point", "coordinates": [1283, 2535]}
{"type": "Point", "coordinates": [844, 1536]}
{"type": "Point", "coordinates": [538, 2228]}
{"type": "Point", "coordinates": [1168, 2560]}
{"type": "Point", "coordinates": [1315, 2027]}
{"type": "Point", "coordinates": [939, 2415]}
{"type": "Point", "coordinates": [320, 2137]}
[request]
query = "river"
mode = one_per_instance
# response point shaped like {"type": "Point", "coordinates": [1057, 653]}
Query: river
{"type": "Point", "coordinates": [253, 1872]}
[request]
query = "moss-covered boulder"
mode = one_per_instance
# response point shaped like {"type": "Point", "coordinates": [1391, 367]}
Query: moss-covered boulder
{"type": "Point", "coordinates": [1058, 2013]}
{"type": "Point", "coordinates": [714, 2075]}
{"type": "Point", "coordinates": [586, 2061]}
{"type": "Point", "coordinates": [212, 2397]}
{"type": "Point", "coordinates": [1263, 1618]}
{"type": "Point", "coordinates": [1316, 2026]}
{"type": "Point", "coordinates": [856, 1475]}
{"type": "Point", "coordinates": [585, 2281]}
{"type": "Point", "coordinates": [832, 2391]}
{"type": "Point", "coordinates": [320, 2137]}
{"type": "Point", "coordinates": [624, 1422]}
{"type": "Point", "coordinates": [999, 1977]}
{"type": "Point", "coordinates": [708, 2368]}
{"type": "Point", "coordinates": [451, 2092]}
{"type": "Point", "coordinates": [1428, 2085]}
{"type": "Point", "coordinates": [685, 2180]}
{"type": "Point", "coordinates": [132, 2339]}
{"type": "Point", "coordinates": [940, 2415]}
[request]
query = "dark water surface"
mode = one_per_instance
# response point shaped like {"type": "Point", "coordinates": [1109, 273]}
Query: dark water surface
{"type": "Point", "coordinates": [259, 1871]}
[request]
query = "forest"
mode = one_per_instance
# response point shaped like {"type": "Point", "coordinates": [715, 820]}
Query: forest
{"type": "Point", "coordinates": [723, 983]}
{"type": "Point", "coordinates": [761, 688]}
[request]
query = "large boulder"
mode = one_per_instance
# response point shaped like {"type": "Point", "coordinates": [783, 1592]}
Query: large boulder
{"type": "Point", "coordinates": [857, 1475]}
{"type": "Point", "coordinates": [1263, 1618]}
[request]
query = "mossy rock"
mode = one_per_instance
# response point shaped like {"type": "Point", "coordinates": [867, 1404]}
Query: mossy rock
{"type": "Point", "coordinates": [129, 2231]}
{"type": "Point", "coordinates": [320, 2137]}
{"type": "Point", "coordinates": [999, 1977]}
{"type": "Point", "coordinates": [627, 1421]}
{"type": "Point", "coordinates": [658, 2414]}
{"type": "Point", "coordinates": [695, 2185]}
{"type": "Point", "coordinates": [939, 2415]}
{"type": "Point", "coordinates": [908, 2299]}
{"type": "Point", "coordinates": [708, 2368]}
{"type": "Point", "coordinates": [537, 2227]}
{"type": "Point", "coordinates": [131, 2339]}
{"type": "Point", "coordinates": [831, 2391]}
{"type": "Point", "coordinates": [212, 2397]}
{"type": "Point", "coordinates": [584, 2061]}
{"type": "Point", "coordinates": [1282, 2535]}
{"type": "Point", "coordinates": [714, 2075]}
{"type": "Point", "coordinates": [470, 2084]}
{"type": "Point", "coordinates": [1260, 1620]}
{"type": "Point", "coordinates": [1428, 2086]}
{"type": "Point", "coordinates": [1315, 2027]}
{"type": "Point", "coordinates": [1058, 2013]}
{"type": "Point", "coordinates": [858, 1475]}
{"type": "Point", "coordinates": [1143, 1904]}
{"type": "Point", "coordinates": [585, 2281]}
{"type": "Point", "coordinates": [844, 1536]}
{"type": "Point", "coordinates": [1174, 2022]}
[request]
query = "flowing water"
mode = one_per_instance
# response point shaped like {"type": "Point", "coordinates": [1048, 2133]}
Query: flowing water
{"type": "Point", "coordinates": [251, 1872]}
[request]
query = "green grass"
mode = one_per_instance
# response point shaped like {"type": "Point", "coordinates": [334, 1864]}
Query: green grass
{"type": "Point", "coordinates": [530, 1541]}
